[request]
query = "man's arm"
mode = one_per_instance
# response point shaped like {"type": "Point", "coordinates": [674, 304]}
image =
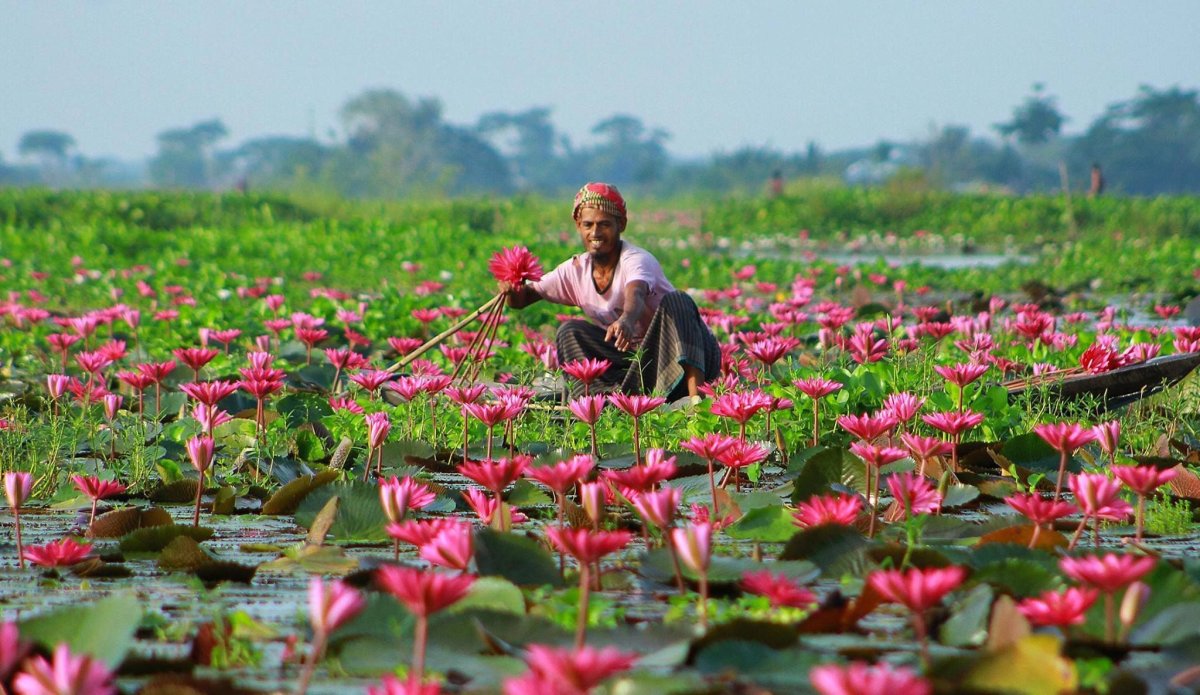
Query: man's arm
{"type": "Point", "coordinates": [623, 332]}
{"type": "Point", "coordinates": [519, 296]}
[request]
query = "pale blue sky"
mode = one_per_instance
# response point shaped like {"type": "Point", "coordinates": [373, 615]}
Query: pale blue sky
{"type": "Point", "coordinates": [717, 75]}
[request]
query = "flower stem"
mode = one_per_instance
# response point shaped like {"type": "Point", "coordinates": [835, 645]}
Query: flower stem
{"type": "Point", "coordinates": [419, 641]}
{"type": "Point", "coordinates": [1141, 517]}
{"type": "Point", "coordinates": [314, 658]}
{"type": "Point", "coordinates": [1062, 473]}
{"type": "Point", "coordinates": [581, 619]}
{"type": "Point", "coordinates": [20, 546]}
{"type": "Point", "coordinates": [199, 489]}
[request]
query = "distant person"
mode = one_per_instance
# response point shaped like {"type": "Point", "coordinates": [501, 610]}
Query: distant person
{"type": "Point", "coordinates": [630, 306]}
{"type": "Point", "coordinates": [776, 184]}
{"type": "Point", "coordinates": [1097, 186]}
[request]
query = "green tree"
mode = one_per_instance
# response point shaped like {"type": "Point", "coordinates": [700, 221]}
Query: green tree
{"type": "Point", "coordinates": [1147, 145]}
{"type": "Point", "coordinates": [186, 156]}
{"type": "Point", "coordinates": [278, 162]}
{"type": "Point", "coordinates": [51, 150]}
{"type": "Point", "coordinates": [397, 147]}
{"type": "Point", "coordinates": [629, 153]}
{"type": "Point", "coordinates": [536, 151]}
{"type": "Point", "coordinates": [1036, 121]}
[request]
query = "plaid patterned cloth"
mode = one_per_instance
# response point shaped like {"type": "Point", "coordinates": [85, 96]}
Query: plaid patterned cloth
{"type": "Point", "coordinates": [602, 196]}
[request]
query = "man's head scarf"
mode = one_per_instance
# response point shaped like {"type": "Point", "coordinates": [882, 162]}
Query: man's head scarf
{"type": "Point", "coordinates": [602, 196]}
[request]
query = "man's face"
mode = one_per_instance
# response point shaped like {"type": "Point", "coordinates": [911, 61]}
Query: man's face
{"type": "Point", "coordinates": [599, 231]}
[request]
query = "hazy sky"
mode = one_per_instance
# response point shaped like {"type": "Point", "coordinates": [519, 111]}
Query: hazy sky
{"type": "Point", "coordinates": [716, 75]}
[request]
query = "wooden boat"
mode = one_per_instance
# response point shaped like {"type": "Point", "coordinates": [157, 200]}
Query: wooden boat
{"type": "Point", "coordinates": [1119, 387]}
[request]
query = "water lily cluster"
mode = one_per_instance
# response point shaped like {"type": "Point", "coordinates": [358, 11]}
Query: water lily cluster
{"type": "Point", "coordinates": [853, 470]}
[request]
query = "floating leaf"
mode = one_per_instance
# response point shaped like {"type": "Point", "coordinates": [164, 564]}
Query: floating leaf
{"type": "Point", "coordinates": [287, 498]}
{"type": "Point", "coordinates": [155, 538]}
{"type": "Point", "coordinates": [656, 565]}
{"type": "Point", "coordinates": [317, 559]}
{"type": "Point", "coordinates": [219, 571]}
{"type": "Point", "coordinates": [360, 517]}
{"type": "Point", "coordinates": [120, 522]}
{"type": "Point", "coordinates": [177, 492]}
{"type": "Point", "coordinates": [494, 594]}
{"type": "Point", "coordinates": [1031, 666]}
{"type": "Point", "coordinates": [774, 635]}
{"type": "Point", "coordinates": [835, 549]}
{"type": "Point", "coordinates": [1174, 625]}
{"type": "Point", "coordinates": [103, 629]}
{"type": "Point", "coordinates": [1048, 539]}
{"type": "Point", "coordinates": [95, 568]}
{"type": "Point", "coordinates": [520, 560]}
{"type": "Point", "coordinates": [319, 528]}
{"type": "Point", "coordinates": [525, 494]}
{"type": "Point", "coordinates": [225, 501]}
{"type": "Point", "coordinates": [958, 495]}
{"type": "Point", "coordinates": [182, 554]}
{"type": "Point", "coordinates": [817, 473]}
{"type": "Point", "coordinates": [758, 663]}
{"type": "Point", "coordinates": [1021, 578]}
{"type": "Point", "coordinates": [772, 524]}
{"type": "Point", "coordinates": [1031, 452]}
{"type": "Point", "coordinates": [968, 622]}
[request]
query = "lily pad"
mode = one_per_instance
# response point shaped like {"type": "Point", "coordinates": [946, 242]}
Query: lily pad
{"type": "Point", "coordinates": [1031, 666]}
{"type": "Point", "coordinates": [103, 629]}
{"type": "Point", "coordinates": [288, 498]}
{"type": "Point", "coordinates": [773, 524]}
{"type": "Point", "coordinates": [360, 516]}
{"type": "Point", "coordinates": [656, 565]}
{"type": "Point", "coordinates": [520, 560]}
{"type": "Point", "coordinates": [155, 538]}
{"type": "Point", "coordinates": [835, 549]}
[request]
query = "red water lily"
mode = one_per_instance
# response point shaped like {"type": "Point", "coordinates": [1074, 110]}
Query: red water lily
{"type": "Point", "coordinates": [1060, 609]}
{"type": "Point", "coordinates": [61, 553]}
{"type": "Point", "coordinates": [96, 490]}
{"type": "Point", "coordinates": [860, 679]}
{"type": "Point", "coordinates": [423, 594]}
{"type": "Point", "coordinates": [565, 670]}
{"type": "Point", "coordinates": [1065, 438]}
{"type": "Point", "coordinates": [588, 548]}
{"type": "Point", "coordinates": [515, 265]}
{"type": "Point", "coordinates": [918, 590]}
{"type": "Point", "coordinates": [779, 589]}
{"type": "Point", "coordinates": [827, 509]}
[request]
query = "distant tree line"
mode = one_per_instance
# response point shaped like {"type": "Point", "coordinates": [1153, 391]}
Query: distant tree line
{"type": "Point", "coordinates": [392, 146]}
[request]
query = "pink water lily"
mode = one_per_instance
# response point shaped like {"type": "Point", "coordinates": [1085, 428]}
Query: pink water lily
{"type": "Point", "coordinates": [64, 674]}
{"type": "Point", "coordinates": [18, 485]}
{"type": "Point", "coordinates": [860, 679]}
{"type": "Point", "coordinates": [1065, 438]}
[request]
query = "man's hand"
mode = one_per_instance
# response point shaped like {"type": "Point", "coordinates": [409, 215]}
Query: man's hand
{"type": "Point", "coordinates": [518, 296]}
{"type": "Point", "coordinates": [622, 334]}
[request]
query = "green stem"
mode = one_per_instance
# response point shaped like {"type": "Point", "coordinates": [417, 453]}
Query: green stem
{"type": "Point", "coordinates": [419, 641]}
{"type": "Point", "coordinates": [581, 619]}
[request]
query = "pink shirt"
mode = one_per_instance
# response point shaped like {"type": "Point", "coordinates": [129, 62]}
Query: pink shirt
{"type": "Point", "coordinates": [571, 284]}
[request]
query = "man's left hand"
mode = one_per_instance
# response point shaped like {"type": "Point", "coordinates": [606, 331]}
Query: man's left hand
{"type": "Point", "coordinates": [622, 335]}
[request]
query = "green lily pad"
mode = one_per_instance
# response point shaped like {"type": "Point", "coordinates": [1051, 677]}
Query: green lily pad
{"type": "Point", "coordinates": [155, 538]}
{"type": "Point", "coordinates": [835, 549]}
{"type": "Point", "coordinates": [520, 560]}
{"type": "Point", "coordinates": [288, 498]}
{"type": "Point", "coordinates": [359, 518]}
{"type": "Point", "coordinates": [103, 630]}
{"type": "Point", "coordinates": [772, 524]}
